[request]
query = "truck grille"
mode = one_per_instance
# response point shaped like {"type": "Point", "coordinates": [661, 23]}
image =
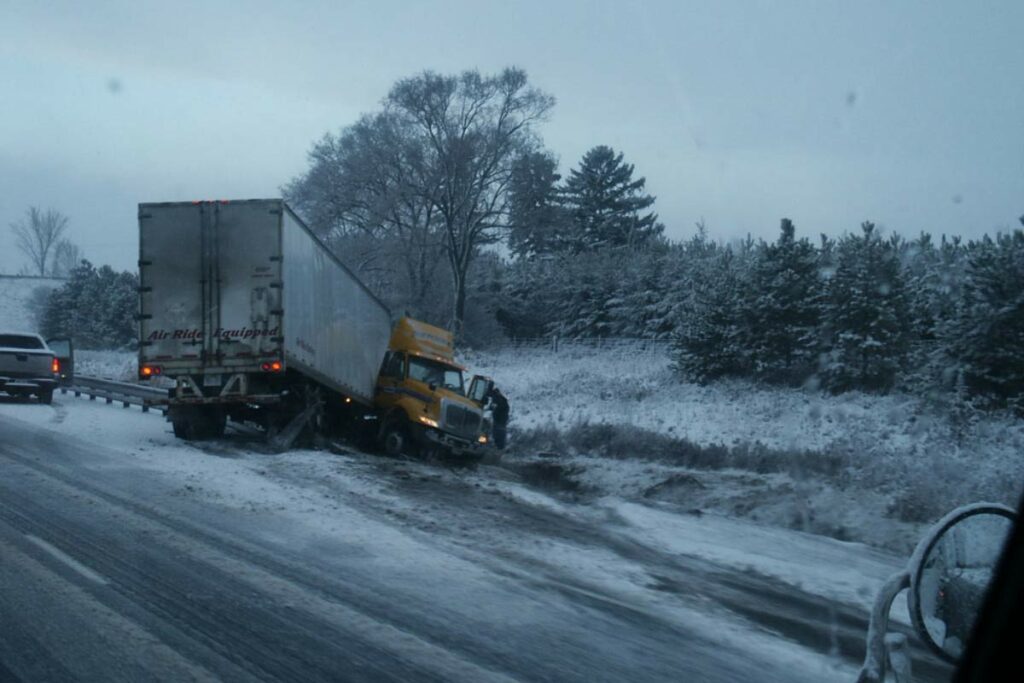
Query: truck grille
{"type": "Point", "coordinates": [461, 421]}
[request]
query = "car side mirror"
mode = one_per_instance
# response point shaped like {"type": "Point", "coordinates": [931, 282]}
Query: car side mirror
{"type": "Point", "coordinates": [947, 577]}
{"type": "Point", "coordinates": [950, 572]}
{"type": "Point", "coordinates": [432, 386]}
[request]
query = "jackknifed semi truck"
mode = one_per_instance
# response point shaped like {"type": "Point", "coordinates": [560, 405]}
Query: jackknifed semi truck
{"type": "Point", "coordinates": [253, 319]}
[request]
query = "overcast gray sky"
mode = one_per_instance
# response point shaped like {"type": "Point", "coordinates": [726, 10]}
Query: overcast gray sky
{"type": "Point", "coordinates": [910, 114]}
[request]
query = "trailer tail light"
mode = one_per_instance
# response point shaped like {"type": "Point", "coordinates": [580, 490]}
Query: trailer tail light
{"type": "Point", "coordinates": [147, 371]}
{"type": "Point", "coordinates": [55, 366]}
{"type": "Point", "coordinates": [274, 366]}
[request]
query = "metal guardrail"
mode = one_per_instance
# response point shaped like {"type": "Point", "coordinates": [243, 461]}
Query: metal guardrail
{"type": "Point", "coordinates": [112, 391]}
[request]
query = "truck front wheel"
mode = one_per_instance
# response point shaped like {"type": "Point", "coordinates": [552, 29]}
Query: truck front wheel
{"type": "Point", "coordinates": [394, 438]}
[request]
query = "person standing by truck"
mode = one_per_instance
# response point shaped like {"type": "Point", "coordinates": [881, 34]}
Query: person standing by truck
{"type": "Point", "coordinates": [499, 413]}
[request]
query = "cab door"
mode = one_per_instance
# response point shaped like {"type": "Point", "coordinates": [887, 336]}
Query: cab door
{"type": "Point", "coordinates": [389, 379]}
{"type": "Point", "coordinates": [64, 350]}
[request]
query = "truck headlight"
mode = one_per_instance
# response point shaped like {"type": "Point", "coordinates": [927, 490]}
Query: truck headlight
{"type": "Point", "coordinates": [427, 421]}
{"type": "Point", "coordinates": [482, 438]}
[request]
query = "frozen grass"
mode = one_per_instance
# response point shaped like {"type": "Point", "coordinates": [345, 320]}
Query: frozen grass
{"type": "Point", "coordinates": [855, 466]}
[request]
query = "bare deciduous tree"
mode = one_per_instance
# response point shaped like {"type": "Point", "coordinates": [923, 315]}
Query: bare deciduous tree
{"type": "Point", "coordinates": [37, 235]}
{"type": "Point", "coordinates": [364, 194]}
{"type": "Point", "coordinates": [471, 129]}
{"type": "Point", "coordinates": [66, 257]}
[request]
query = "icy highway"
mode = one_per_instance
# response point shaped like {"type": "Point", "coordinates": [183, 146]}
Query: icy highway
{"type": "Point", "coordinates": [125, 555]}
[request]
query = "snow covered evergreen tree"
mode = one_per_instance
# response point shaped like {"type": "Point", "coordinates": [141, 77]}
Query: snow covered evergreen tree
{"type": "Point", "coordinates": [605, 204]}
{"type": "Point", "coordinates": [712, 339]}
{"type": "Point", "coordinates": [934, 276]}
{"type": "Point", "coordinates": [96, 307]}
{"type": "Point", "coordinates": [782, 312]}
{"type": "Point", "coordinates": [865, 314]}
{"type": "Point", "coordinates": [584, 294]}
{"type": "Point", "coordinates": [990, 339]}
{"type": "Point", "coordinates": [535, 216]}
{"type": "Point", "coordinates": [638, 308]}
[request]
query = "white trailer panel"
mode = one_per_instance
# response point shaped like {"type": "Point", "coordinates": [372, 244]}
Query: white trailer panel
{"type": "Point", "coordinates": [334, 327]}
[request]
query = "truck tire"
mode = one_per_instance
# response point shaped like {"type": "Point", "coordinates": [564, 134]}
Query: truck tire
{"type": "Point", "coordinates": [395, 440]}
{"type": "Point", "coordinates": [199, 424]}
{"type": "Point", "coordinates": [182, 429]}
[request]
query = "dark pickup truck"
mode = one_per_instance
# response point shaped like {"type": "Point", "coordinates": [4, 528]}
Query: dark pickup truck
{"type": "Point", "coordinates": [28, 367]}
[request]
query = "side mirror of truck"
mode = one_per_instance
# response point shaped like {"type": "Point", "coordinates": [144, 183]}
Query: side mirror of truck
{"type": "Point", "coordinates": [947, 575]}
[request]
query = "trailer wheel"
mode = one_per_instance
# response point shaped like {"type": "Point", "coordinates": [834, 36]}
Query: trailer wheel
{"type": "Point", "coordinates": [199, 424]}
{"type": "Point", "coordinates": [182, 429]}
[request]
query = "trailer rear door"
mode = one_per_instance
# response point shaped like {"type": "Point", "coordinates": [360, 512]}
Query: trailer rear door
{"type": "Point", "coordinates": [210, 285]}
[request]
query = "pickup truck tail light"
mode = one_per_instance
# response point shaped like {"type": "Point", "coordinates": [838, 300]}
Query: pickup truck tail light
{"type": "Point", "coordinates": [55, 366]}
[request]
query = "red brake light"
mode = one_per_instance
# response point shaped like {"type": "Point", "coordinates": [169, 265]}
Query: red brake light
{"type": "Point", "coordinates": [55, 365]}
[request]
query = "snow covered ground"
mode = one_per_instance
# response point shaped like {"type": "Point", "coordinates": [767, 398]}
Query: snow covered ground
{"type": "Point", "coordinates": [855, 466]}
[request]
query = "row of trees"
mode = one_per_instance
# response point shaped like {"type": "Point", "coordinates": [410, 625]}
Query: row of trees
{"type": "Point", "coordinates": [452, 172]}
{"type": "Point", "coordinates": [863, 311]}
{"type": "Point", "coordinates": [450, 167]}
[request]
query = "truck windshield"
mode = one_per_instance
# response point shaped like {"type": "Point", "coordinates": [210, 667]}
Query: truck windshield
{"type": "Point", "coordinates": [433, 372]}
{"type": "Point", "coordinates": [19, 341]}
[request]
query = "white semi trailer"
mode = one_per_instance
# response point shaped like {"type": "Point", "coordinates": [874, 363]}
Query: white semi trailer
{"type": "Point", "coordinates": [252, 317]}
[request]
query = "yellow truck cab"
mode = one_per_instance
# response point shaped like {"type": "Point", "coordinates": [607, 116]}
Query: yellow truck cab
{"type": "Point", "coordinates": [421, 396]}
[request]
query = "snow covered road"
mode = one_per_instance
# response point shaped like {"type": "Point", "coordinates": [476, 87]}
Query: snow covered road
{"type": "Point", "coordinates": [126, 555]}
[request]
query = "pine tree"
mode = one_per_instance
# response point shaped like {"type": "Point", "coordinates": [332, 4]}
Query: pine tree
{"type": "Point", "coordinates": [934, 277]}
{"type": "Point", "coordinates": [990, 339]}
{"type": "Point", "coordinates": [638, 307]}
{"type": "Point", "coordinates": [865, 314]}
{"type": "Point", "coordinates": [783, 311]}
{"type": "Point", "coordinates": [712, 337]}
{"type": "Point", "coordinates": [584, 295]}
{"type": "Point", "coordinates": [605, 204]}
{"type": "Point", "coordinates": [535, 216]}
{"type": "Point", "coordinates": [96, 307]}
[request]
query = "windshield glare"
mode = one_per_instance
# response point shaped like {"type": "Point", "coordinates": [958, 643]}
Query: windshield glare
{"type": "Point", "coordinates": [433, 372]}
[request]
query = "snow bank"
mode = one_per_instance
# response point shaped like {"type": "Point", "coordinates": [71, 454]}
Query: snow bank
{"type": "Point", "coordinates": [118, 365]}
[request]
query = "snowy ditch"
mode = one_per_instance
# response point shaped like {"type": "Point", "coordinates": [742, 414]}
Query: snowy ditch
{"type": "Point", "coordinates": [590, 423]}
